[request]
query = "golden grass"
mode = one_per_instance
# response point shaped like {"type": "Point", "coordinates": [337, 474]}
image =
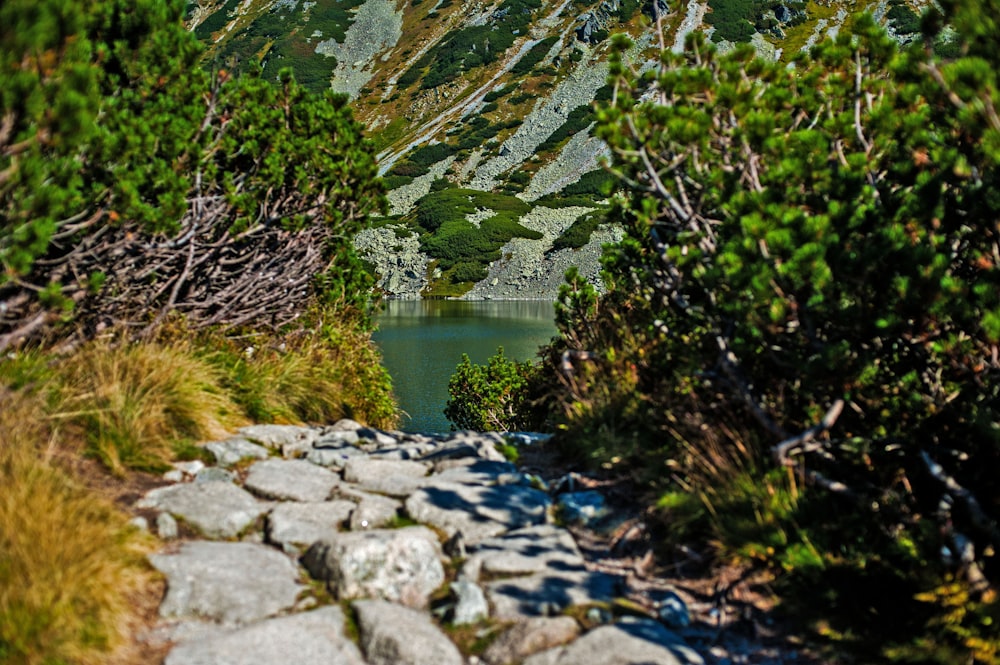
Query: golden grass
{"type": "Point", "coordinates": [134, 402]}
{"type": "Point", "coordinates": [70, 565]}
{"type": "Point", "coordinates": [318, 375]}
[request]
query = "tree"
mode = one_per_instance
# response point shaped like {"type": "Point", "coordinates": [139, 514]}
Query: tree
{"type": "Point", "coordinates": [811, 265]}
{"type": "Point", "coordinates": [135, 185]}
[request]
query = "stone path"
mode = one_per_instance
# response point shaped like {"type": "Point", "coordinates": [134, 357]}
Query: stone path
{"type": "Point", "coordinates": [345, 544]}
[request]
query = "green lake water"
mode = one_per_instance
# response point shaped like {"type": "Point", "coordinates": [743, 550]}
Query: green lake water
{"type": "Point", "coordinates": [422, 342]}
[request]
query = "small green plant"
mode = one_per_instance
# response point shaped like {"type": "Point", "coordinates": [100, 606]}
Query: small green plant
{"type": "Point", "coordinates": [490, 397]}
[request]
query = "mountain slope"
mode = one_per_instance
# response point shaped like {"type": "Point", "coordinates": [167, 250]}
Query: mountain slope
{"type": "Point", "coordinates": [491, 97]}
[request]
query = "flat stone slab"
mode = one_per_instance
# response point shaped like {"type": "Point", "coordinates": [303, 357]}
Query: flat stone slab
{"type": "Point", "coordinates": [479, 512]}
{"type": "Point", "coordinates": [230, 583]}
{"type": "Point", "coordinates": [307, 638]}
{"type": "Point", "coordinates": [398, 478]}
{"type": "Point", "coordinates": [335, 457]}
{"type": "Point", "coordinates": [373, 510]}
{"type": "Point", "coordinates": [401, 565]}
{"type": "Point", "coordinates": [535, 549]}
{"type": "Point", "coordinates": [295, 525]}
{"type": "Point", "coordinates": [546, 594]}
{"type": "Point", "coordinates": [231, 451]}
{"type": "Point", "coordinates": [475, 472]}
{"type": "Point", "coordinates": [291, 480]}
{"type": "Point", "coordinates": [530, 637]}
{"type": "Point", "coordinates": [395, 635]}
{"type": "Point", "coordinates": [217, 508]}
{"type": "Point", "coordinates": [629, 642]}
{"type": "Point", "coordinates": [281, 437]}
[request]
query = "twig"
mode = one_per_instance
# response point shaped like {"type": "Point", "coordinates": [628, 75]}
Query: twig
{"type": "Point", "coordinates": [780, 451]}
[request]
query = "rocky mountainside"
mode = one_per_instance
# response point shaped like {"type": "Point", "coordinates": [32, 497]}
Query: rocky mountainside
{"type": "Point", "coordinates": [482, 113]}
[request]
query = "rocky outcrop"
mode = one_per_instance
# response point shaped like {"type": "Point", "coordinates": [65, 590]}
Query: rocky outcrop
{"type": "Point", "coordinates": [530, 269]}
{"type": "Point", "coordinates": [377, 27]}
{"type": "Point", "coordinates": [503, 560]}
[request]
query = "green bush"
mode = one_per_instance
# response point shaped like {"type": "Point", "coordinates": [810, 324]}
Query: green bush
{"type": "Point", "coordinates": [103, 220]}
{"type": "Point", "coordinates": [579, 232]}
{"type": "Point", "coordinates": [577, 121]}
{"type": "Point", "coordinates": [490, 397]}
{"type": "Point", "coordinates": [533, 56]}
{"type": "Point", "coordinates": [822, 303]}
{"type": "Point", "coordinates": [428, 155]}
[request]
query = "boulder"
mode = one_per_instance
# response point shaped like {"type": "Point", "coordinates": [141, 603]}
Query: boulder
{"type": "Point", "coordinates": [547, 594]}
{"type": "Point", "coordinates": [289, 439]}
{"type": "Point", "coordinates": [295, 480]}
{"type": "Point", "coordinates": [230, 451]}
{"type": "Point", "coordinates": [529, 637]}
{"type": "Point", "coordinates": [470, 603]}
{"type": "Point", "coordinates": [395, 635]}
{"type": "Point", "coordinates": [401, 565]}
{"type": "Point", "coordinates": [310, 637]}
{"type": "Point", "coordinates": [478, 511]}
{"type": "Point", "coordinates": [335, 457]}
{"type": "Point", "coordinates": [398, 478]}
{"type": "Point", "coordinates": [230, 583]}
{"type": "Point", "coordinates": [296, 525]}
{"type": "Point", "coordinates": [629, 642]}
{"type": "Point", "coordinates": [166, 526]}
{"type": "Point", "coordinates": [218, 509]}
{"type": "Point", "coordinates": [526, 551]}
{"type": "Point", "coordinates": [582, 508]}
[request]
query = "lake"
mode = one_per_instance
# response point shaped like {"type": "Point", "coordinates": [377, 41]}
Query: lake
{"type": "Point", "coordinates": [422, 343]}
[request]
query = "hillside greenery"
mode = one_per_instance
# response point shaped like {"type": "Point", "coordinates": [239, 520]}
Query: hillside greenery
{"type": "Point", "coordinates": [176, 260]}
{"type": "Point", "coordinates": [472, 46]}
{"type": "Point", "coordinates": [281, 37]}
{"type": "Point", "coordinates": [463, 250]}
{"type": "Point", "coordinates": [797, 351]}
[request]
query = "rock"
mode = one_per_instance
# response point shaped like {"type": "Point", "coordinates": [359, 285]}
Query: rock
{"type": "Point", "coordinates": [231, 583]}
{"type": "Point", "coordinates": [299, 525]}
{"type": "Point", "coordinates": [529, 637]}
{"type": "Point", "coordinates": [470, 603]}
{"type": "Point", "coordinates": [474, 471]}
{"type": "Point", "coordinates": [214, 473]}
{"type": "Point", "coordinates": [335, 458]}
{"type": "Point", "coordinates": [217, 509]}
{"type": "Point", "coordinates": [337, 438]}
{"type": "Point", "coordinates": [295, 480]}
{"type": "Point", "coordinates": [140, 523]}
{"type": "Point", "coordinates": [482, 445]}
{"type": "Point", "coordinates": [303, 639]}
{"type": "Point", "coordinates": [281, 437]}
{"type": "Point", "coordinates": [166, 526]}
{"type": "Point", "coordinates": [373, 512]}
{"type": "Point", "coordinates": [231, 451]}
{"type": "Point", "coordinates": [397, 478]}
{"type": "Point", "coordinates": [478, 512]}
{"type": "Point", "coordinates": [629, 642]}
{"type": "Point", "coordinates": [526, 551]}
{"type": "Point", "coordinates": [401, 565]}
{"type": "Point", "coordinates": [190, 468]}
{"type": "Point", "coordinates": [582, 508]}
{"type": "Point", "coordinates": [378, 437]}
{"type": "Point", "coordinates": [396, 635]}
{"type": "Point", "coordinates": [549, 593]}
{"type": "Point", "coordinates": [671, 609]}
{"type": "Point", "coordinates": [344, 425]}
